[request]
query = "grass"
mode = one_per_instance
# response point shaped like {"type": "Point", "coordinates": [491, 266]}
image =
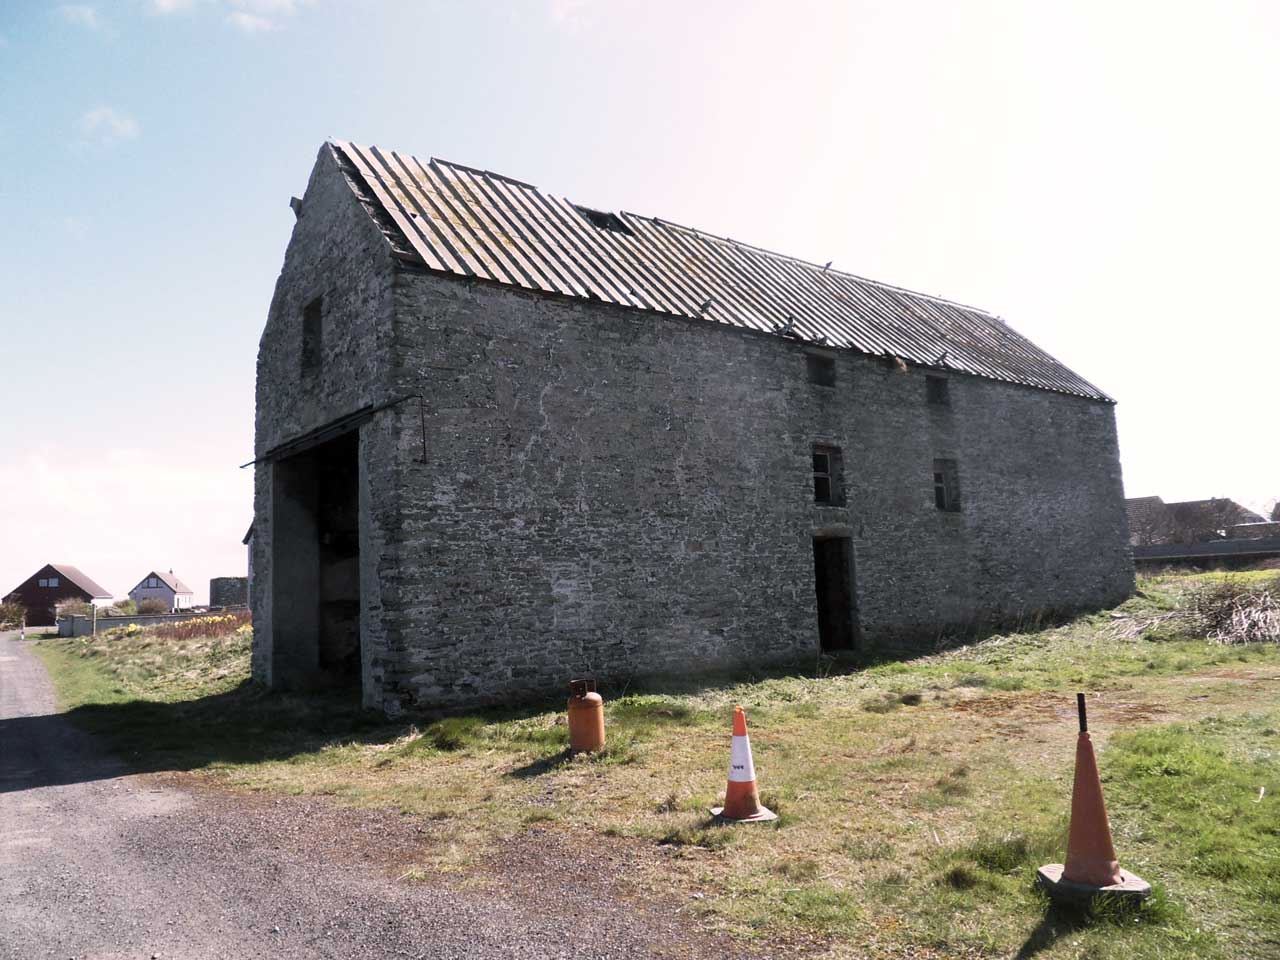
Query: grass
{"type": "Point", "coordinates": [916, 798]}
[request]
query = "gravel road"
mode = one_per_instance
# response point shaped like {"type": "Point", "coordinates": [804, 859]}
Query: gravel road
{"type": "Point", "coordinates": [97, 863]}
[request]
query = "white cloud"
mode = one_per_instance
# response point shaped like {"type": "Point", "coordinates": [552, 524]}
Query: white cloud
{"type": "Point", "coordinates": [107, 126]}
{"type": "Point", "coordinates": [247, 16]}
{"type": "Point", "coordinates": [81, 15]}
{"type": "Point", "coordinates": [249, 22]}
{"type": "Point", "coordinates": [258, 16]}
{"type": "Point", "coordinates": [267, 8]}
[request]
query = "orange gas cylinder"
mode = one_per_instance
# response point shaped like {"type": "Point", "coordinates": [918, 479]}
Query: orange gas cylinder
{"type": "Point", "coordinates": [586, 717]}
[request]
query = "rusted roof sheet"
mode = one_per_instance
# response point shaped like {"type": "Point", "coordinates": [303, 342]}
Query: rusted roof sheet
{"type": "Point", "coordinates": [474, 223]}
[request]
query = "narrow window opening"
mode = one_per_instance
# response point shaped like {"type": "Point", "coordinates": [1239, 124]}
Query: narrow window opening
{"type": "Point", "coordinates": [946, 486]}
{"type": "Point", "coordinates": [828, 482]}
{"type": "Point", "coordinates": [53, 581]}
{"type": "Point", "coordinates": [42, 583]}
{"type": "Point", "coordinates": [603, 220]}
{"type": "Point", "coordinates": [312, 336]}
{"type": "Point", "coordinates": [822, 370]}
{"type": "Point", "coordinates": [937, 391]}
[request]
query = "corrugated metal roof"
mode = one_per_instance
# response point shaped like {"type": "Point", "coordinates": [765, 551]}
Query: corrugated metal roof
{"type": "Point", "coordinates": [474, 223]}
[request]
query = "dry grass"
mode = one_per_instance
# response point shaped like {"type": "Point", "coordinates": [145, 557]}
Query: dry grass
{"type": "Point", "coordinates": [915, 798]}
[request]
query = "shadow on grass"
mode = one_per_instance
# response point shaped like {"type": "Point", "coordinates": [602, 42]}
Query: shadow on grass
{"type": "Point", "coordinates": [246, 725]}
{"type": "Point", "coordinates": [1064, 919]}
{"type": "Point", "coordinates": [1059, 920]}
{"type": "Point", "coordinates": [538, 767]}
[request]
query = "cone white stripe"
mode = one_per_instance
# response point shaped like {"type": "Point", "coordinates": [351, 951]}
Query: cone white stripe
{"type": "Point", "coordinates": [741, 767]}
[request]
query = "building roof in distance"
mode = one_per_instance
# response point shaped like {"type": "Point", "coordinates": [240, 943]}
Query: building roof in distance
{"type": "Point", "coordinates": [168, 579]}
{"type": "Point", "coordinates": [458, 220]}
{"type": "Point", "coordinates": [81, 580]}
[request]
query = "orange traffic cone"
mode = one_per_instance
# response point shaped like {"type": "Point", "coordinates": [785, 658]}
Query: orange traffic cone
{"type": "Point", "coordinates": [1091, 866]}
{"type": "Point", "coordinates": [741, 799]}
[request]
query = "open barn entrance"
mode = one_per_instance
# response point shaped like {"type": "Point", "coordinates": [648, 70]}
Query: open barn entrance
{"type": "Point", "coordinates": [833, 577]}
{"type": "Point", "coordinates": [315, 622]}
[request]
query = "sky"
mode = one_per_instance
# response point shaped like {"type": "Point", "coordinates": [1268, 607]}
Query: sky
{"type": "Point", "coordinates": [1101, 175]}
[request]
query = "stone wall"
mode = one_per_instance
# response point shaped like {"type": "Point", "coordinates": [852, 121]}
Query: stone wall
{"type": "Point", "coordinates": [338, 254]}
{"type": "Point", "coordinates": [228, 591]}
{"type": "Point", "coordinates": [622, 494]}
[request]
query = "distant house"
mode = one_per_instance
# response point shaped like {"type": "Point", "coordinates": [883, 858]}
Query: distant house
{"type": "Point", "coordinates": [164, 587]}
{"type": "Point", "coordinates": [52, 584]}
{"type": "Point", "coordinates": [1152, 521]}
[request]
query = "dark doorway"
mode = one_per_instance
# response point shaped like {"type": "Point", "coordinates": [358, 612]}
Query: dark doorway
{"type": "Point", "coordinates": [316, 566]}
{"type": "Point", "coordinates": [833, 577]}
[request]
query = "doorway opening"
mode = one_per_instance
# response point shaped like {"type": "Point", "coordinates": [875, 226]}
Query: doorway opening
{"type": "Point", "coordinates": [834, 580]}
{"type": "Point", "coordinates": [315, 621]}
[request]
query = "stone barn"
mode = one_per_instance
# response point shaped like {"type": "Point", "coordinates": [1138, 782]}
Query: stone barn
{"type": "Point", "coordinates": [503, 439]}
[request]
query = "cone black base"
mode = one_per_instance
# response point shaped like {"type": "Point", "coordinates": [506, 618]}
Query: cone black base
{"type": "Point", "coordinates": [1131, 886]}
{"type": "Point", "coordinates": [763, 816]}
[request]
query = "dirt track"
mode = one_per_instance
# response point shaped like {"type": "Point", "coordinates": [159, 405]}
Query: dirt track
{"type": "Point", "coordinates": [98, 864]}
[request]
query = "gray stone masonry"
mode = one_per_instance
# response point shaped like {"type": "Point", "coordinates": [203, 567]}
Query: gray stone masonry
{"type": "Point", "coordinates": [228, 591]}
{"type": "Point", "coordinates": [620, 494]}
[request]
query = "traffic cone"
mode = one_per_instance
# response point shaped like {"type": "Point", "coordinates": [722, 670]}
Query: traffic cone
{"type": "Point", "coordinates": [741, 799]}
{"type": "Point", "coordinates": [1091, 866]}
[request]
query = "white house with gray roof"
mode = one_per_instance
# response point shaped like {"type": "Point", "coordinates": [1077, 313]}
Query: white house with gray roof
{"type": "Point", "coordinates": [165, 587]}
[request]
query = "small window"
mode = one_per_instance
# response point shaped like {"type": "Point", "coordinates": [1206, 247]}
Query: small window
{"type": "Point", "coordinates": [53, 581]}
{"type": "Point", "coordinates": [946, 486]}
{"type": "Point", "coordinates": [312, 336]}
{"type": "Point", "coordinates": [822, 370]}
{"type": "Point", "coordinates": [937, 392]}
{"type": "Point", "coordinates": [152, 582]}
{"type": "Point", "coordinates": [828, 485]}
{"type": "Point", "coordinates": [42, 583]}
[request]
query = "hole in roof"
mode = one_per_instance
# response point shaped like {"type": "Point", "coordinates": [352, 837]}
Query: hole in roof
{"type": "Point", "coordinates": [603, 219]}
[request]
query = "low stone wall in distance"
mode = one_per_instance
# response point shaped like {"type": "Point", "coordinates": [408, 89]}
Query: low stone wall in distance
{"type": "Point", "coordinates": [78, 626]}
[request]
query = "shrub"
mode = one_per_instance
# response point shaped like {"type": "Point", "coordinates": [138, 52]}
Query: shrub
{"type": "Point", "coordinates": [73, 608]}
{"type": "Point", "coordinates": [12, 613]}
{"type": "Point", "coordinates": [125, 608]}
{"type": "Point", "coordinates": [152, 606]}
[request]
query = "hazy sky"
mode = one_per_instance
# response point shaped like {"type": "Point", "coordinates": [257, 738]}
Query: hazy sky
{"type": "Point", "coordinates": [1105, 176]}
